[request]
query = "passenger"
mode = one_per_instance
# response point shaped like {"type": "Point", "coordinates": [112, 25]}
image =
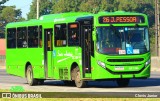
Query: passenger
{"type": "Point", "coordinates": [35, 42]}
{"type": "Point", "coordinates": [24, 43]}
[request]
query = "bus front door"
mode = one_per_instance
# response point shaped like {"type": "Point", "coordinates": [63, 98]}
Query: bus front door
{"type": "Point", "coordinates": [48, 47]}
{"type": "Point", "coordinates": [86, 49]}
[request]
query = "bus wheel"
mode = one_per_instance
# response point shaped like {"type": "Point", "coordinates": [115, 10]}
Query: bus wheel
{"type": "Point", "coordinates": [123, 82]}
{"type": "Point", "coordinates": [29, 75]}
{"type": "Point", "coordinates": [78, 81]}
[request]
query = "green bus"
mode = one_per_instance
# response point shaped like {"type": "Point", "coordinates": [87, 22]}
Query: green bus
{"type": "Point", "coordinates": [77, 47]}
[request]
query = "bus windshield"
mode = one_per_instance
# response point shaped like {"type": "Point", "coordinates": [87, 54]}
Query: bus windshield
{"type": "Point", "coordinates": [122, 40]}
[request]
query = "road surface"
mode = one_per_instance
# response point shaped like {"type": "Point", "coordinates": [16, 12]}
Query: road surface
{"type": "Point", "coordinates": [136, 85]}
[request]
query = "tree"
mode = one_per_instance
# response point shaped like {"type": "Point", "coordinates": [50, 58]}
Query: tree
{"type": "Point", "coordinates": [93, 6]}
{"type": "Point", "coordinates": [2, 2]}
{"type": "Point", "coordinates": [60, 6]}
{"type": "Point", "coordinates": [9, 14]}
{"type": "Point", "coordinates": [6, 16]}
{"type": "Point", "coordinates": [45, 8]}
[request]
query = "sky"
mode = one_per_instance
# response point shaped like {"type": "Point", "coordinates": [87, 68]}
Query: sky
{"type": "Point", "coordinates": [24, 5]}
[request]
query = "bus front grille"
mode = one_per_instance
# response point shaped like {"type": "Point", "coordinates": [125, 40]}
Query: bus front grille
{"type": "Point", "coordinates": [125, 60]}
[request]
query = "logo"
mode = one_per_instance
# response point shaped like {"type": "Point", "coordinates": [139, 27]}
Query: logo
{"type": "Point", "coordinates": [6, 95]}
{"type": "Point", "coordinates": [17, 89]}
{"type": "Point", "coordinates": [129, 50]}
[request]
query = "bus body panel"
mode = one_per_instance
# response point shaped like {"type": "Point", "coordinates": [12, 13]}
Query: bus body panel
{"type": "Point", "coordinates": [59, 60]}
{"type": "Point", "coordinates": [63, 60]}
{"type": "Point", "coordinates": [21, 57]}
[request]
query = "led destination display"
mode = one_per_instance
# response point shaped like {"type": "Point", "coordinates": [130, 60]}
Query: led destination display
{"type": "Point", "coordinates": [121, 19]}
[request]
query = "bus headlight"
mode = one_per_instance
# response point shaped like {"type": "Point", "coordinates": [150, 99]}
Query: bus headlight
{"type": "Point", "coordinates": [148, 62]}
{"type": "Point", "coordinates": [101, 64]}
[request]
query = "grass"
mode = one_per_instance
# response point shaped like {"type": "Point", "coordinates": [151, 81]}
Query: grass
{"type": "Point", "coordinates": [4, 90]}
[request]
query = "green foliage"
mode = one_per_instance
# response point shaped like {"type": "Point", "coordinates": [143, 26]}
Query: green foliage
{"type": "Point", "coordinates": [90, 6]}
{"type": "Point", "coordinates": [45, 8]}
{"type": "Point", "coordinates": [2, 2]}
{"type": "Point", "coordinates": [32, 13]}
{"type": "Point", "coordinates": [1, 6]}
{"type": "Point", "coordinates": [1, 21]}
{"type": "Point", "coordinates": [9, 14]}
{"type": "Point", "coordinates": [60, 6]}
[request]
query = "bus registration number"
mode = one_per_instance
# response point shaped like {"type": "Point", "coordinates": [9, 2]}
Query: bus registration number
{"type": "Point", "coordinates": [119, 68]}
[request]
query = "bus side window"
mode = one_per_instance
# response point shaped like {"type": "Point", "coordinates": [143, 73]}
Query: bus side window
{"type": "Point", "coordinates": [11, 38]}
{"type": "Point", "coordinates": [60, 35]}
{"type": "Point", "coordinates": [40, 36]}
{"type": "Point", "coordinates": [22, 37]}
{"type": "Point", "coordinates": [73, 34]}
{"type": "Point", "coordinates": [33, 36]}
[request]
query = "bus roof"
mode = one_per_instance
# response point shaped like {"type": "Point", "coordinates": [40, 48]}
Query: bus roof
{"type": "Point", "coordinates": [56, 18]}
{"type": "Point", "coordinates": [63, 15]}
{"type": "Point", "coordinates": [66, 17]}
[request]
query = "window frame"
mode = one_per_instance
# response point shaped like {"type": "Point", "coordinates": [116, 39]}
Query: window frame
{"type": "Point", "coordinates": [77, 30]}
{"type": "Point", "coordinates": [58, 40]}
{"type": "Point", "coordinates": [40, 36]}
{"type": "Point", "coordinates": [32, 33]}
{"type": "Point", "coordinates": [22, 38]}
{"type": "Point", "coordinates": [15, 38]}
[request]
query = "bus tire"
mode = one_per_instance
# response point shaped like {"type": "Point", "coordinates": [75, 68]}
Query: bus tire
{"type": "Point", "coordinates": [123, 82]}
{"type": "Point", "coordinates": [78, 81]}
{"type": "Point", "coordinates": [29, 76]}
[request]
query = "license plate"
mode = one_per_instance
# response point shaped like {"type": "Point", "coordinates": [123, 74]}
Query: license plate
{"type": "Point", "coordinates": [119, 68]}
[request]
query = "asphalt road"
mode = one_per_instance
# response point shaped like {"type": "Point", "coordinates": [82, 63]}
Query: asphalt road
{"type": "Point", "coordinates": [151, 84]}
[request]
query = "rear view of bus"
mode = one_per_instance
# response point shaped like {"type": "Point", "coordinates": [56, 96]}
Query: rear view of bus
{"type": "Point", "coordinates": [122, 46]}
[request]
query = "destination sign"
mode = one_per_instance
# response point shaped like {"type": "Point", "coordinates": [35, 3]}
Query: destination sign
{"type": "Point", "coordinates": [121, 19]}
{"type": "Point", "coordinates": [73, 25]}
